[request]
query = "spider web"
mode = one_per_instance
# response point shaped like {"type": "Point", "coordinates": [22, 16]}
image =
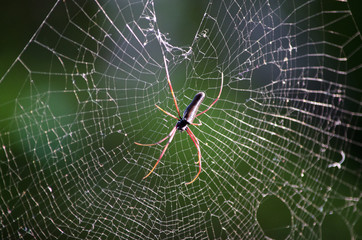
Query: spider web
{"type": "Point", "coordinates": [280, 149]}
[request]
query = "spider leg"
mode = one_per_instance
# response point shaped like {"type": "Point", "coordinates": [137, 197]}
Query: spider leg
{"type": "Point", "coordinates": [222, 82]}
{"type": "Point", "coordinates": [167, 113]}
{"type": "Point", "coordinates": [151, 144]}
{"type": "Point", "coordinates": [171, 135]}
{"type": "Point", "coordinates": [197, 124]}
{"type": "Point", "coordinates": [169, 83]}
{"type": "Point", "coordinates": [196, 142]}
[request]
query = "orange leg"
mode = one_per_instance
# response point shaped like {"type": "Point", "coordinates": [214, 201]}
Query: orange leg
{"type": "Point", "coordinates": [169, 83]}
{"type": "Point", "coordinates": [222, 82]}
{"type": "Point", "coordinates": [171, 135]}
{"type": "Point", "coordinates": [196, 142]}
{"type": "Point", "coordinates": [151, 144]}
{"type": "Point", "coordinates": [196, 124]}
{"type": "Point", "coordinates": [167, 113]}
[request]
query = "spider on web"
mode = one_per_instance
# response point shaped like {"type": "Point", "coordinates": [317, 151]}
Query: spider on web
{"type": "Point", "coordinates": [182, 125]}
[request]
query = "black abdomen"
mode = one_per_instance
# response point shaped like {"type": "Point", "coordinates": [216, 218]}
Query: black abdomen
{"type": "Point", "coordinates": [191, 110]}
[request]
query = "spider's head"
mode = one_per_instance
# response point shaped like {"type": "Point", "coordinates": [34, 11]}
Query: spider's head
{"type": "Point", "coordinates": [182, 125]}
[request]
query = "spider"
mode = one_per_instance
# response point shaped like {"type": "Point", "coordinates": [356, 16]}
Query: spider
{"type": "Point", "coordinates": [182, 125]}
